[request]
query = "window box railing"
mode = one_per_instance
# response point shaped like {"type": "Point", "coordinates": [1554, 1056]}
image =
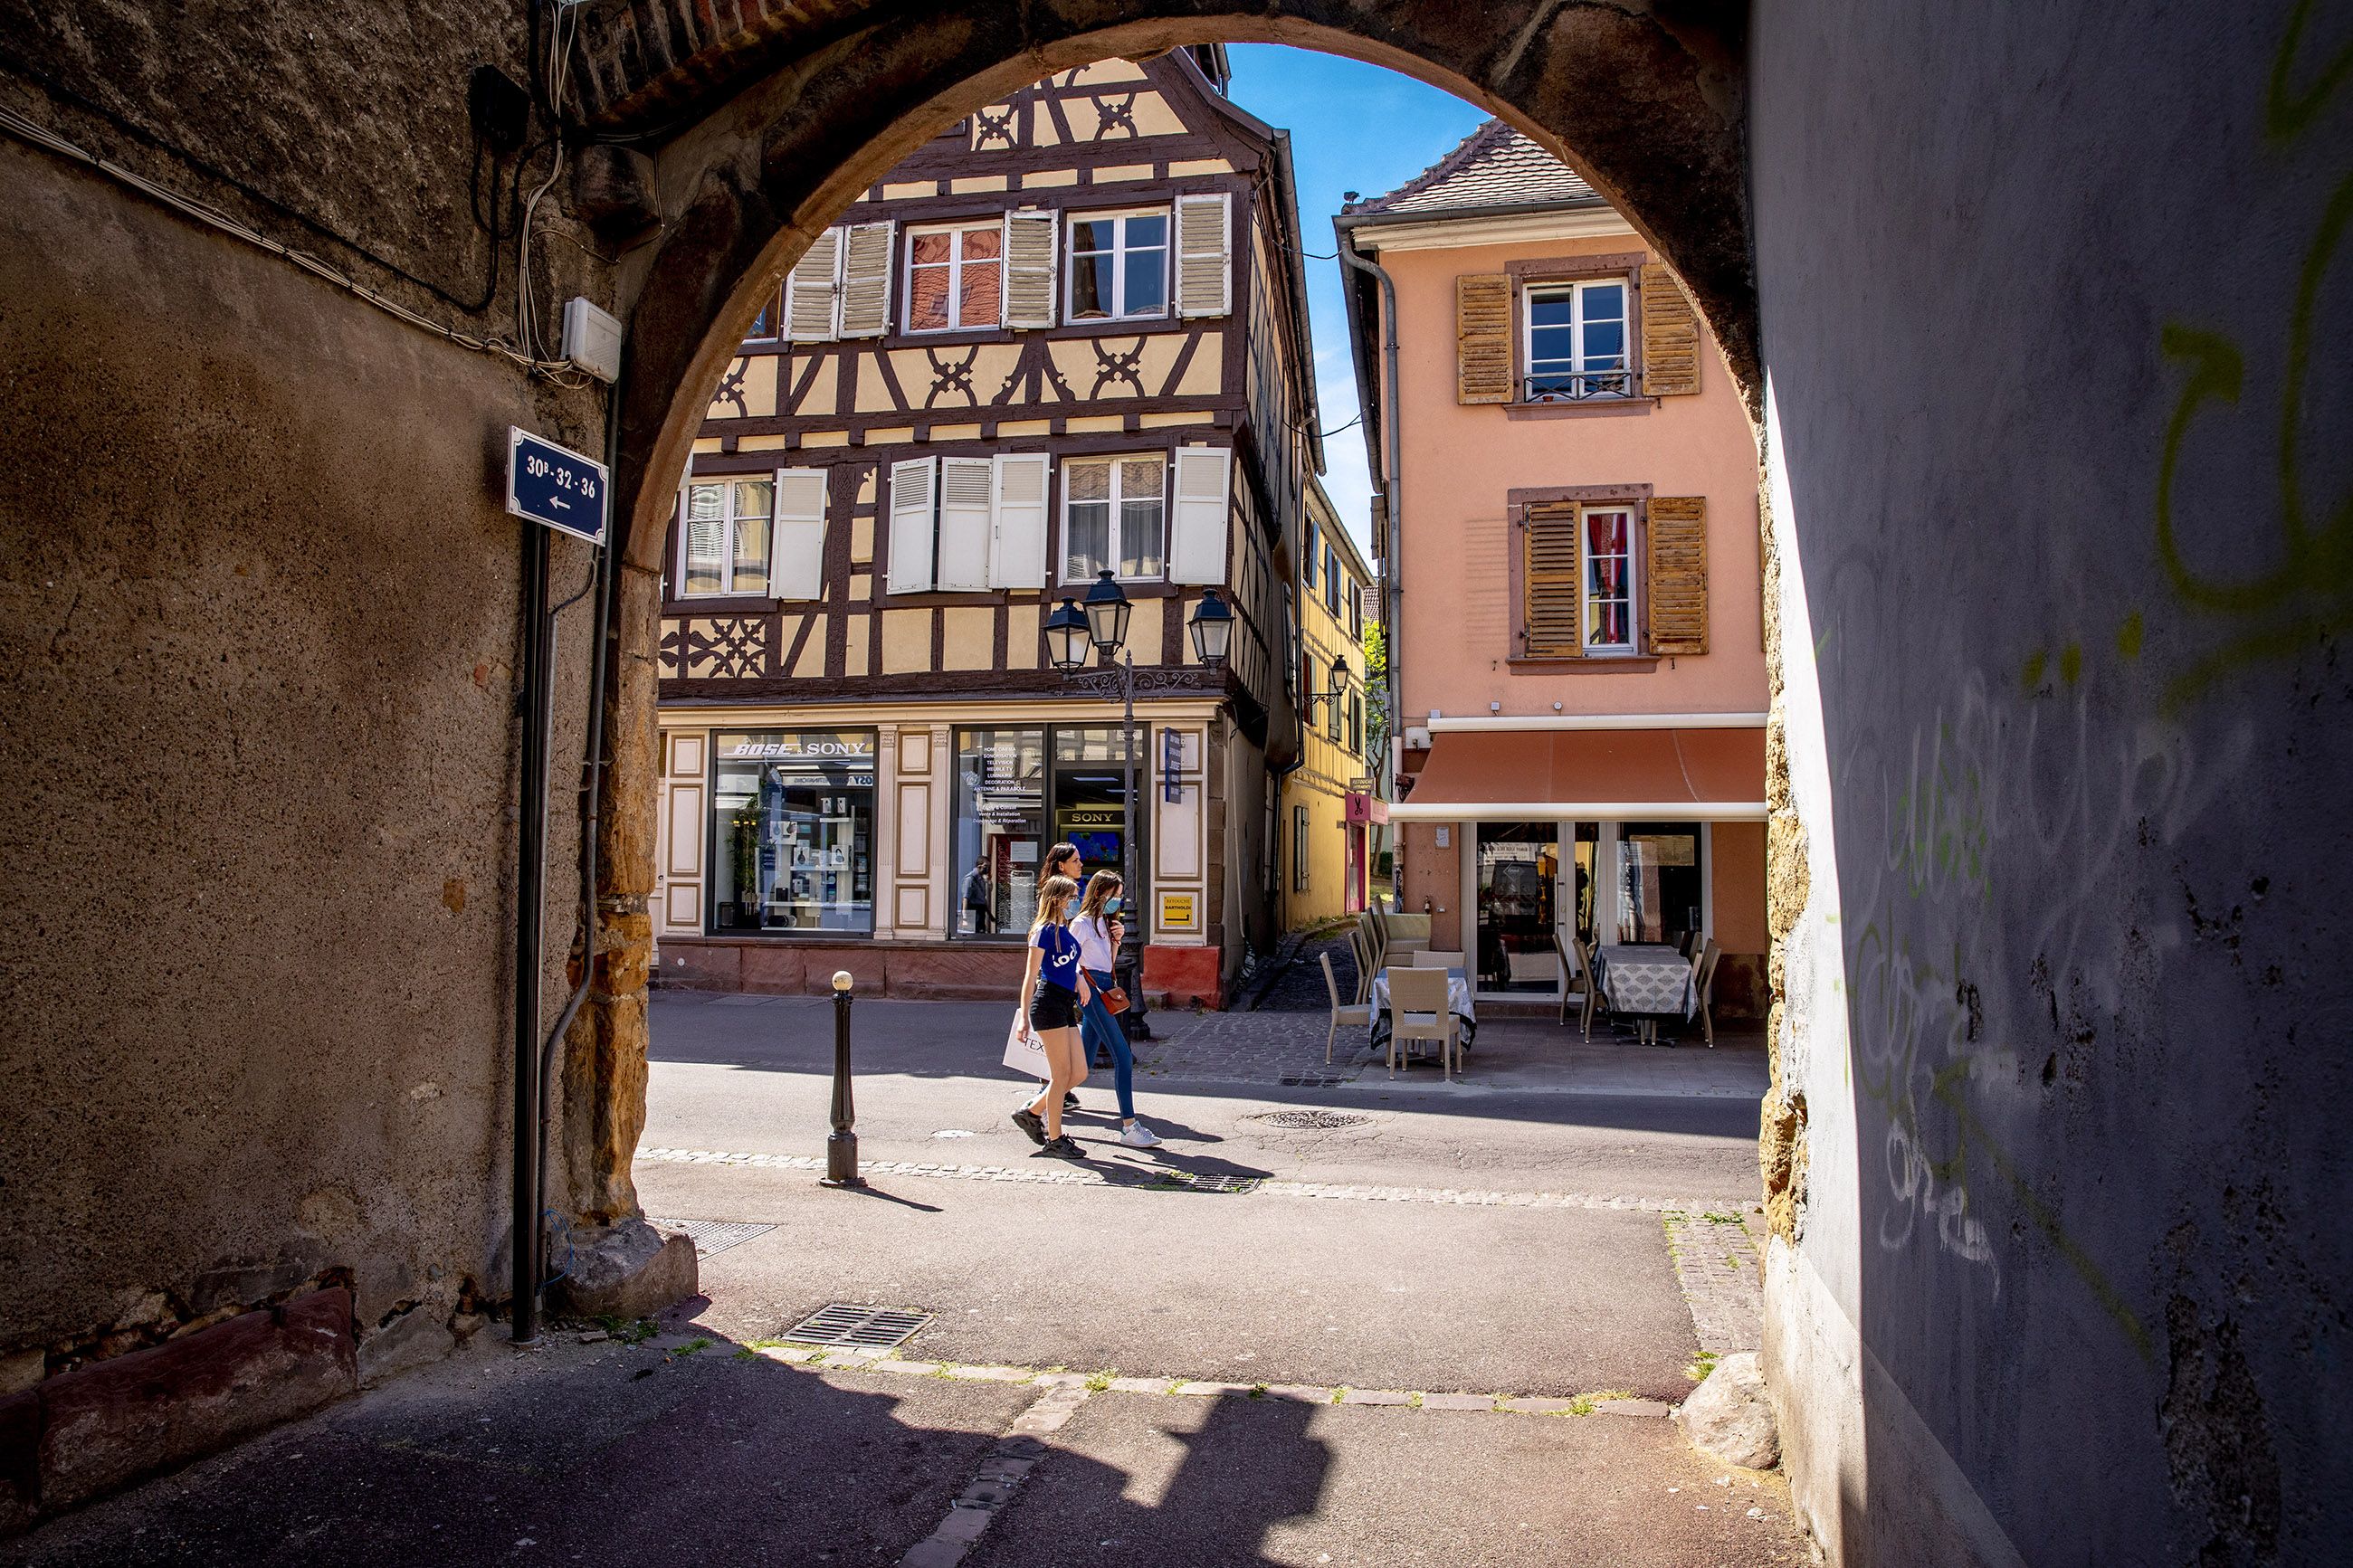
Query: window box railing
{"type": "Point", "coordinates": [1579, 387]}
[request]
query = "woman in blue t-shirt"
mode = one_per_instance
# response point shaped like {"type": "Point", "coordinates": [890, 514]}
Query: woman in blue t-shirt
{"type": "Point", "coordinates": [1053, 989]}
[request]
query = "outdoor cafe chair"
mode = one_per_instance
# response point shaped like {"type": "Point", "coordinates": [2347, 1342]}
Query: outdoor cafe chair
{"type": "Point", "coordinates": [1418, 1011]}
{"type": "Point", "coordinates": [1430, 959]}
{"type": "Point", "coordinates": [1361, 950]}
{"type": "Point", "coordinates": [1576, 977]}
{"type": "Point", "coordinates": [1594, 1001]}
{"type": "Point", "coordinates": [1703, 979]}
{"type": "Point", "coordinates": [1357, 1014]}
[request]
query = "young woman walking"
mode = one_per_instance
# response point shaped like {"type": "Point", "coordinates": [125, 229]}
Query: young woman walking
{"type": "Point", "coordinates": [1099, 934]}
{"type": "Point", "coordinates": [1053, 989]}
{"type": "Point", "coordinates": [1063, 860]}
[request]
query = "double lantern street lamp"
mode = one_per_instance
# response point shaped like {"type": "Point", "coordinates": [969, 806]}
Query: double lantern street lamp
{"type": "Point", "coordinates": [1101, 624]}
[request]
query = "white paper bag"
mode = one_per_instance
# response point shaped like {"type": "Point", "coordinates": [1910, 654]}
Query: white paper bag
{"type": "Point", "coordinates": [1025, 1055]}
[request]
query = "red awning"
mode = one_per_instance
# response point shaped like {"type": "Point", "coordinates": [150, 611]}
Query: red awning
{"type": "Point", "coordinates": [1686, 775]}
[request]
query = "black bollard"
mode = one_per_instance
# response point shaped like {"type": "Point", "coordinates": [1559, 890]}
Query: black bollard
{"type": "Point", "coordinates": [841, 1149]}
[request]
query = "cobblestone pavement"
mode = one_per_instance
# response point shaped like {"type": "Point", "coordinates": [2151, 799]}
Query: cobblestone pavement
{"type": "Point", "coordinates": [1716, 1264]}
{"type": "Point", "coordinates": [1252, 1047]}
{"type": "Point", "coordinates": [1301, 988]}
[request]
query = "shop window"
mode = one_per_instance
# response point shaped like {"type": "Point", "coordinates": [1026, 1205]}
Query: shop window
{"type": "Point", "coordinates": [1118, 266]}
{"type": "Point", "coordinates": [1518, 867]}
{"type": "Point", "coordinates": [1114, 514]}
{"type": "Point", "coordinates": [793, 831]}
{"type": "Point", "coordinates": [1001, 829]}
{"type": "Point", "coordinates": [724, 538]}
{"type": "Point", "coordinates": [1659, 881]}
{"type": "Point", "coordinates": [1089, 783]}
{"type": "Point", "coordinates": [956, 276]}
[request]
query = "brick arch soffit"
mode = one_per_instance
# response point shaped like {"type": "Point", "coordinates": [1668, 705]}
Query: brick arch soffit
{"type": "Point", "coordinates": [762, 133]}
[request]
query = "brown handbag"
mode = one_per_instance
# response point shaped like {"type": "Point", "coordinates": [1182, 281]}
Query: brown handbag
{"type": "Point", "coordinates": [1114, 998]}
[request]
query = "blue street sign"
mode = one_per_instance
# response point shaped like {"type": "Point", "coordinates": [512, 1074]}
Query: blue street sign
{"type": "Point", "coordinates": [549, 484]}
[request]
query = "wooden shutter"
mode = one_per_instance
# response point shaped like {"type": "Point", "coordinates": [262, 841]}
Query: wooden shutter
{"type": "Point", "coordinates": [1196, 544]}
{"type": "Point", "coordinates": [1677, 568]}
{"type": "Point", "coordinates": [812, 292]}
{"type": "Point", "coordinates": [799, 569]}
{"type": "Point", "coordinates": [1016, 546]}
{"type": "Point", "coordinates": [1205, 271]}
{"type": "Point", "coordinates": [1482, 338]}
{"type": "Point", "coordinates": [1549, 580]}
{"type": "Point", "coordinates": [912, 488]}
{"type": "Point", "coordinates": [964, 486]}
{"type": "Point", "coordinates": [1030, 268]}
{"type": "Point", "coordinates": [1670, 336]}
{"type": "Point", "coordinates": [866, 281]}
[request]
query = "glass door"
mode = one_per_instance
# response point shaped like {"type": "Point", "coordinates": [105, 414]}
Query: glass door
{"type": "Point", "coordinates": [1659, 881]}
{"type": "Point", "coordinates": [1518, 867]}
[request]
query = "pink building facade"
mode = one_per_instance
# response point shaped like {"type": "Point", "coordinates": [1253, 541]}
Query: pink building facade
{"type": "Point", "coordinates": [1568, 525]}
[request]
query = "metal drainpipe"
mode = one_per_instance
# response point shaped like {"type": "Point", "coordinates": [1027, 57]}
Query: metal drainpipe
{"type": "Point", "coordinates": [1392, 492]}
{"type": "Point", "coordinates": [531, 882]}
{"type": "Point", "coordinates": [606, 581]}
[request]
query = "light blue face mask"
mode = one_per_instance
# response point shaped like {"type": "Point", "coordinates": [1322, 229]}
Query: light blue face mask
{"type": "Point", "coordinates": [1111, 905]}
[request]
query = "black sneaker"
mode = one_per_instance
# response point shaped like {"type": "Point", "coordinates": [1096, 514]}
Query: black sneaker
{"type": "Point", "coordinates": [1028, 1122]}
{"type": "Point", "coordinates": [1061, 1148]}
{"type": "Point", "coordinates": [1071, 1102]}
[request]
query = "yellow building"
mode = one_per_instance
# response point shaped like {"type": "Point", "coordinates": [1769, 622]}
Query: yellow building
{"type": "Point", "coordinates": [1330, 801]}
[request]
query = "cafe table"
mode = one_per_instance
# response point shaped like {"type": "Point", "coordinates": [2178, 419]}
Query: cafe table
{"type": "Point", "coordinates": [1646, 982]}
{"type": "Point", "coordinates": [1458, 1002]}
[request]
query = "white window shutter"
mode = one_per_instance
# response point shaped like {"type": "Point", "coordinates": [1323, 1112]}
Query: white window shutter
{"type": "Point", "coordinates": [911, 489]}
{"type": "Point", "coordinates": [866, 281]}
{"type": "Point", "coordinates": [1017, 553]}
{"type": "Point", "coordinates": [1197, 546]}
{"type": "Point", "coordinates": [964, 485]}
{"type": "Point", "coordinates": [1205, 271]}
{"type": "Point", "coordinates": [798, 572]}
{"type": "Point", "coordinates": [811, 290]}
{"type": "Point", "coordinates": [1030, 268]}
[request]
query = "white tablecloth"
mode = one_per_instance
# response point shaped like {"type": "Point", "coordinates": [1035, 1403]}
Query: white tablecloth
{"type": "Point", "coordinates": [1458, 1002]}
{"type": "Point", "coordinates": [1647, 979]}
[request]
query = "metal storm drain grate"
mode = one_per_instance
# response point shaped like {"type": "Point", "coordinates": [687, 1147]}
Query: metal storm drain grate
{"type": "Point", "coordinates": [1312, 1080]}
{"type": "Point", "coordinates": [715, 1235]}
{"type": "Point", "coordinates": [845, 1324]}
{"type": "Point", "coordinates": [1199, 1182]}
{"type": "Point", "coordinates": [1316, 1120]}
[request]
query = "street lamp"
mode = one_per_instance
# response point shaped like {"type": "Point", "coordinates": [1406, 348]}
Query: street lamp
{"type": "Point", "coordinates": [1104, 624]}
{"type": "Point", "coordinates": [1342, 679]}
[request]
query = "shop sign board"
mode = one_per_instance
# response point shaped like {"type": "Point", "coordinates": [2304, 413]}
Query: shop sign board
{"type": "Point", "coordinates": [556, 486]}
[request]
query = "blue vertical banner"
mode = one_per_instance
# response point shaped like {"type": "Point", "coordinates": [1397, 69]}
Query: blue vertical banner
{"type": "Point", "coordinates": [555, 486]}
{"type": "Point", "coordinates": [1172, 758]}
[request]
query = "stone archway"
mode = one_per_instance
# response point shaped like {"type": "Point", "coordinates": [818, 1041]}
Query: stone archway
{"type": "Point", "coordinates": [765, 123]}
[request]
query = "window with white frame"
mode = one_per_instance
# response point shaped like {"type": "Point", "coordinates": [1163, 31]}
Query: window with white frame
{"type": "Point", "coordinates": [1606, 543]}
{"type": "Point", "coordinates": [1575, 342]}
{"type": "Point", "coordinates": [1118, 266]}
{"type": "Point", "coordinates": [956, 276]}
{"type": "Point", "coordinates": [724, 538]}
{"type": "Point", "coordinates": [1114, 514]}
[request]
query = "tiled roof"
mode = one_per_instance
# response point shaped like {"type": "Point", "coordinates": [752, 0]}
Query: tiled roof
{"type": "Point", "coordinates": [1494, 167]}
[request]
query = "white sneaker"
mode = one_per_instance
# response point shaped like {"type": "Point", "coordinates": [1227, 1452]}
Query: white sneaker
{"type": "Point", "coordinates": [1138, 1136]}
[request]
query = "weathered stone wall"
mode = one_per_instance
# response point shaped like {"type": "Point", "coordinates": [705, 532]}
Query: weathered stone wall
{"type": "Point", "coordinates": [259, 604]}
{"type": "Point", "coordinates": [2058, 1141]}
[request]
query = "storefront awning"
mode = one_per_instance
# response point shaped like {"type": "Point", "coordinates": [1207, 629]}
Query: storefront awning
{"type": "Point", "coordinates": [1675, 775]}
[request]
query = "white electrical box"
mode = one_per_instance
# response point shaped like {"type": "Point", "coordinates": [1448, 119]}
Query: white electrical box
{"type": "Point", "coordinates": [592, 339]}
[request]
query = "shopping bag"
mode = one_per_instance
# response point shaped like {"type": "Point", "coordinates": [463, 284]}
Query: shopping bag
{"type": "Point", "coordinates": [1025, 1055]}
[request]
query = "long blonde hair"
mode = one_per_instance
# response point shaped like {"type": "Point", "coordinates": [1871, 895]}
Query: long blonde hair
{"type": "Point", "coordinates": [1054, 896]}
{"type": "Point", "coordinates": [1100, 889]}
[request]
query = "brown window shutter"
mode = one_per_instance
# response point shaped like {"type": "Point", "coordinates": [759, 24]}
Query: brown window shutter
{"type": "Point", "coordinates": [1678, 573]}
{"type": "Point", "coordinates": [1549, 580]}
{"type": "Point", "coordinates": [1482, 338]}
{"type": "Point", "coordinates": [1670, 336]}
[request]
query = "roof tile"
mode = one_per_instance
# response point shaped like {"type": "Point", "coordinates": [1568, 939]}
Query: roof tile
{"type": "Point", "coordinates": [1493, 166]}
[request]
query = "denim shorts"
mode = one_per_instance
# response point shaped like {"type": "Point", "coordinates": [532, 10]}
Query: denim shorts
{"type": "Point", "coordinates": [1053, 1008]}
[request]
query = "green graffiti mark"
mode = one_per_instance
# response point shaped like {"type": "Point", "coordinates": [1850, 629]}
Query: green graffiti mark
{"type": "Point", "coordinates": [2030, 676]}
{"type": "Point", "coordinates": [2310, 594]}
{"type": "Point", "coordinates": [2128, 637]}
{"type": "Point", "coordinates": [2071, 663]}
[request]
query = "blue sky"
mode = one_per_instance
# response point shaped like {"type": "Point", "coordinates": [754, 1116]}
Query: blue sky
{"type": "Point", "coordinates": [1354, 127]}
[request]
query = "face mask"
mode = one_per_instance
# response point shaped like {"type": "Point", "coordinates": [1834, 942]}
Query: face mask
{"type": "Point", "coordinates": [1111, 906]}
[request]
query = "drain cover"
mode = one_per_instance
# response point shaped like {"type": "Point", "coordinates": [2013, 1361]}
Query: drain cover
{"type": "Point", "coordinates": [1312, 1080]}
{"type": "Point", "coordinates": [1199, 1182]}
{"type": "Point", "coordinates": [1318, 1121]}
{"type": "Point", "coordinates": [715, 1235]}
{"type": "Point", "coordinates": [846, 1324]}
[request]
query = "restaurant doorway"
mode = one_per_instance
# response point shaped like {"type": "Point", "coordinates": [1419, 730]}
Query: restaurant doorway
{"type": "Point", "coordinates": [1515, 869]}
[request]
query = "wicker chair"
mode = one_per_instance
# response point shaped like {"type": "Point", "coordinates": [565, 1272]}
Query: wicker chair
{"type": "Point", "coordinates": [1358, 1013]}
{"type": "Point", "coordinates": [1418, 1011]}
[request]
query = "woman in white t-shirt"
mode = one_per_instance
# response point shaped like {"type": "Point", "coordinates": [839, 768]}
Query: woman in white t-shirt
{"type": "Point", "coordinates": [1099, 934]}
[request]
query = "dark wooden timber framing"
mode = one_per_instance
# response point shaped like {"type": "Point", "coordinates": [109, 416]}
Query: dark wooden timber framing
{"type": "Point", "coordinates": [942, 403]}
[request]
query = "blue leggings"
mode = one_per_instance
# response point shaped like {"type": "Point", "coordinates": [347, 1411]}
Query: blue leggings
{"type": "Point", "coordinates": [1098, 1025]}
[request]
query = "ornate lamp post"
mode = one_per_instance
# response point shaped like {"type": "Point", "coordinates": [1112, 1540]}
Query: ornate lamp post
{"type": "Point", "coordinates": [1102, 624]}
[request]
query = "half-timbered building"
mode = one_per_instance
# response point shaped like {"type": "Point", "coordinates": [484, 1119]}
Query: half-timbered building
{"type": "Point", "coordinates": [1066, 337]}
